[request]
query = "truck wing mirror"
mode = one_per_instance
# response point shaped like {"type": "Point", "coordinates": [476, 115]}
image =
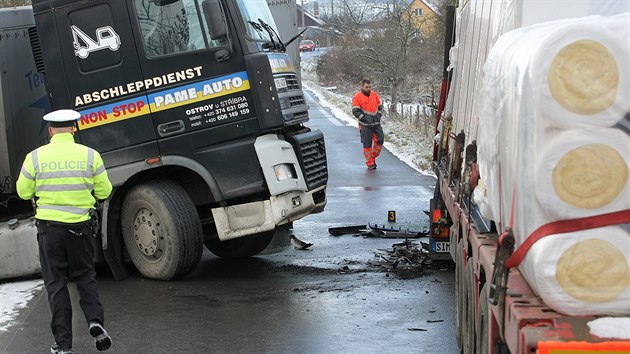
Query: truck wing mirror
{"type": "Point", "coordinates": [215, 17]}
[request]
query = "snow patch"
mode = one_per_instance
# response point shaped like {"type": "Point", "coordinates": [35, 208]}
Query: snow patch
{"type": "Point", "coordinates": [611, 327]}
{"type": "Point", "coordinates": [14, 297]}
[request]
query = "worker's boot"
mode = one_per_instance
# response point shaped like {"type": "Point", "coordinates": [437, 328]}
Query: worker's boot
{"type": "Point", "coordinates": [56, 349]}
{"type": "Point", "coordinates": [101, 338]}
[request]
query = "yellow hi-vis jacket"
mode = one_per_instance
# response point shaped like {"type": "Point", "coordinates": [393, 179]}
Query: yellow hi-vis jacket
{"type": "Point", "coordinates": [63, 175]}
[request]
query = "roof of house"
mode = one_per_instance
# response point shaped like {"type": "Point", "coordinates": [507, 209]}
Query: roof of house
{"type": "Point", "coordinates": [427, 3]}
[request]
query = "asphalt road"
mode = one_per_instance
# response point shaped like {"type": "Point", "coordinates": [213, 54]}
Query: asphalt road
{"type": "Point", "coordinates": [335, 298]}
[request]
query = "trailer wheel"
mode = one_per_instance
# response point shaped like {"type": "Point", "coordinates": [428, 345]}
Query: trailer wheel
{"type": "Point", "coordinates": [483, 323]}
{"type": "Point", "coordinates": [241, 247]}
{"type": "Point", "coordinates": [459, 294]}
{"type": "Point", "coordinates": [469, 337]}
{"type": "Point", "coordinates": [161, 230]}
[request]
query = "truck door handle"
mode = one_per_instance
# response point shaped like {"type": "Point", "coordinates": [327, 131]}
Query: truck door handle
{"type": "Point", "coordinates": [171, 128]}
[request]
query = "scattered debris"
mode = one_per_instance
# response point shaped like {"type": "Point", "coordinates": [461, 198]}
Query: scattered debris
{"type": "Point", "coordinates": [344, 269]}
{"type": "Point", "coordinates": [299, 244]}
{"type": "Point", "coordinates": [375, 230]}
{"type": "Point", "coordinates": [416, 329]}
{"type": "Point", "coordinates": [344, 230]}
{"type": "Point", "coordinates": [434, 321]}
{"type": "Point", "coordinates": [406, 259]}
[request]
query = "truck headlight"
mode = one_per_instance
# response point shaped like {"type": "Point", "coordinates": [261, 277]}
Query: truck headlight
{"type": "Point", "coordinates": [284, 171]}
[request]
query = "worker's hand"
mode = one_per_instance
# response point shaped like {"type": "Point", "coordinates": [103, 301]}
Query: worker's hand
{"type": "Point", "coordinates": [364, 118]}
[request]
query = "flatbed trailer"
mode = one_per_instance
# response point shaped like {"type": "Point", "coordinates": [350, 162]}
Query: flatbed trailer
{"type": "Point", "coordinates": [520, 320]}
{"type": "Point", "coordinates": [497, 309]}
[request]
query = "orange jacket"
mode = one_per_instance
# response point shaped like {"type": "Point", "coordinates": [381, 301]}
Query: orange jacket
{"type": "Point", "coordinates": [367, 109]}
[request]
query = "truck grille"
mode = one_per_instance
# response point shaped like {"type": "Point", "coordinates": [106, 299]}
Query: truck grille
{"type": "Point", "coordinates": [292, 82]}
{"type": "Point", "coordinates": [300, 115]}
{"type": "Point", "coordinates": [311, 152]}
{"type": "Point", "coordinates": [297, 101]}
{"type": "Point", "coordinates": [37, 50]}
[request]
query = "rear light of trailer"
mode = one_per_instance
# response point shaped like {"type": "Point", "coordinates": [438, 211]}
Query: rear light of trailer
{"type": "Point", "coordinates": [439, 224]}
{"type": "Point", "coordinates": [443, 232]}
{"type": "Point", "coordinates": [437, 215]}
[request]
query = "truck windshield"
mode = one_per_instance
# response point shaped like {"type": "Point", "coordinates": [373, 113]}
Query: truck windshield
{"type": "Point", "coordinates": [253, 11]}
{"type": "Point", "coordinates": [174, 27]}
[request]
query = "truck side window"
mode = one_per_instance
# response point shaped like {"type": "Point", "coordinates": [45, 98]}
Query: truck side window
{"type": "Point", "coordinates": [173, 28]}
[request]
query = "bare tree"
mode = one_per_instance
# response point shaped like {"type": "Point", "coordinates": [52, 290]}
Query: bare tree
{"type": "Point", "coordinates": [390, 47]}
{"type": "Point", "coordinates": [386, 53]}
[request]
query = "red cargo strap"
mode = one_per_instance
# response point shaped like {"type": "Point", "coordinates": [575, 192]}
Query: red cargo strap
{"type": "Point", "coordinates": [564, 226]}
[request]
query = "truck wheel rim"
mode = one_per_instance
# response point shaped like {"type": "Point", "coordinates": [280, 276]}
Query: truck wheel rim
{"type": "Point", "coordinates": [147, 235]}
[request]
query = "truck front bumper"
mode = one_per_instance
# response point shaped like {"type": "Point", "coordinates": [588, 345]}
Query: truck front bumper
{"type": "Point", "coordinates": [251, 218]}
{"type": "Point", "coordinates": [294, 195]}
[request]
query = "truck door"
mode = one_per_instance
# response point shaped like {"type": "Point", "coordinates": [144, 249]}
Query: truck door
{"type": "Point", "coordinates": [191, 76]}
{"type": "Point", "coordinates": [92, 66]}
{"type": "Point", "coordinates": [199, 95]}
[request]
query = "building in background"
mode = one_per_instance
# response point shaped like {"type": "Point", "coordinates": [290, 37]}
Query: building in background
{"type": "Point", "coordinates": [424, 16]}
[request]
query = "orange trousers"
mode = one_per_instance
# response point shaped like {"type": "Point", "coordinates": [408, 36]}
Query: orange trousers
{"type": "Point", "coordinates": [372, 139]}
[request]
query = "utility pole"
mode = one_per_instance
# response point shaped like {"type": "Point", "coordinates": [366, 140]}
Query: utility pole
{"type": "Point", "coordinates": [303, 24]}
{"type": "Point", "coordinates": [332, 10]}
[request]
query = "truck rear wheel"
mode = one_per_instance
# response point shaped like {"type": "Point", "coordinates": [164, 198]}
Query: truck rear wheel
{"type": "Point", "coordinates": [471, 308]}
{"type": "Point", "coordinates": [161, 230]}
{"type": "Point", "coordinates": [242, 247]}
{"type": "Point", "coordinates": [459, 294]}
{"type": "Point", "coordinates": [483, 322]}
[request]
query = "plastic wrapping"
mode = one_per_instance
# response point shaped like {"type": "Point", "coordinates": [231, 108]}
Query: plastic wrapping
{"type": "Point", "coordinates": [580, 71]}
{"type": "Point", "coordinates": [582, 273]}
{"type": "Point", "coordinates": [550, 148]}
{"type": "Point", "coordinates": [583, 173]}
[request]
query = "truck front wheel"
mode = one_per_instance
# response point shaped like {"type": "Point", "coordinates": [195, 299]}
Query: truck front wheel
{"type": "Point", "coordinates": [242, 247]}
{"type": "Point", "coordinates": [161, 230]}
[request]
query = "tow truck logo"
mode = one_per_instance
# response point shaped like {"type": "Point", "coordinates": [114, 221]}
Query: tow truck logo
{"type": "Point", "coordinates": [106, 37]}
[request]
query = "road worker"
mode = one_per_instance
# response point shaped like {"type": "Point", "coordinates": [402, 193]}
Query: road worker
{"type": "Point", "coordinates": [368, 109]}
{"type": "Point", "coordinates": [65, 178]}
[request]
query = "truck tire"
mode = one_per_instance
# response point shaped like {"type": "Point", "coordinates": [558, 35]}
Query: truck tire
{"type": "Point", "coordinates": [242, 247]}
{"type": "Point", "coordinates": [161, 230]}
{"type": "Point", "coordinates": [483, 323]}
{"type": "Point", "coordinates": [471, 308]}
{"type": "Point", "coordinates": [459, 294]}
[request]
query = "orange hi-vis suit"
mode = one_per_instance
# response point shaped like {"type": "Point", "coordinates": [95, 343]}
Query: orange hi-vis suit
{"type": "Point", "coordinates": [369, 110]}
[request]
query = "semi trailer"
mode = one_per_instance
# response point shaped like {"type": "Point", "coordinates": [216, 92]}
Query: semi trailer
{"type": "Point", "coordinates": [531, 156]}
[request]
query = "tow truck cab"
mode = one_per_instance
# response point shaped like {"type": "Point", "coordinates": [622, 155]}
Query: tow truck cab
{"type": "Point", "coordinates": [199, 92]}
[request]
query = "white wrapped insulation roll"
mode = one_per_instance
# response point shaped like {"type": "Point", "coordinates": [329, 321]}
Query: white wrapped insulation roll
{"type": "Point", "coordinates": [550, 149]}
{"type": "Point", "coordinates": [583, 272]}
{"type": "Point", "coordinates": [584, 173]}
{"type": "Point", "coordinates": [581, 73]}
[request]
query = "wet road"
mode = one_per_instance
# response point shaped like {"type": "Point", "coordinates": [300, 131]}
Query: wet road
{"type": "Point", "coordinates": [287, 301]}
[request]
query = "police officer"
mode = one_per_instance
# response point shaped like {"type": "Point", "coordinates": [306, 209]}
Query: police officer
{"type": "Point", "coordinates": [63, 175]}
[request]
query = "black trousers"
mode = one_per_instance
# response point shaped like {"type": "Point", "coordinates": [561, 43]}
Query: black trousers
{"type": "Point", "coordinates": [66, 254]}
{"type": "Point", "coordinates": [371, 134]}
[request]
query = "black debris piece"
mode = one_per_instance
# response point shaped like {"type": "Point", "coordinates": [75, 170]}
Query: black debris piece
{"type": "Point", "coordinates": [406, 259]}
{"type": "Point", "coordinates": [375, 230]}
